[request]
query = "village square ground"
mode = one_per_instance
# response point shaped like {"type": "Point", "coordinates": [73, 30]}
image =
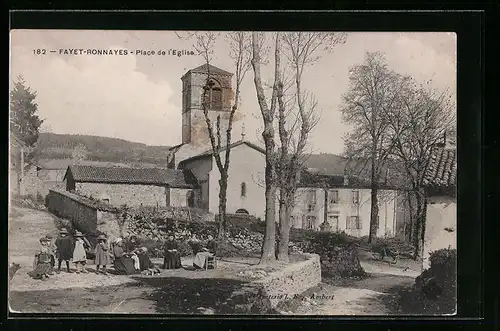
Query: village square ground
{"type": "Point", "coordinates": [182, 291]}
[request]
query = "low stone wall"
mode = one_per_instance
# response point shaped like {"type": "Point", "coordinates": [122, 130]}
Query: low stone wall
{"type": "Point", "coordinates": [263, 296]}
{"type": "Point", "coordinates": [293, 280]}
{"type": "Point", "coordinates": [82, 212]}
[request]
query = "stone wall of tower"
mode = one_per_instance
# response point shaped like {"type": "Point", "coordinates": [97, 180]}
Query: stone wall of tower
{"type": "Point", "coordinates": [194, 127]}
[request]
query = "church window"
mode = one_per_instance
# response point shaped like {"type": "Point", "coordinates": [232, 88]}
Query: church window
{"type": "Point", "coordinates": [243, 190]}
{"type": "Point", "coordinates": [213, 95]}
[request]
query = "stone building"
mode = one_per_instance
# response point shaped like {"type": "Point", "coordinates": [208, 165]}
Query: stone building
{"type": "Point", "coordinates": [134, 187]}
{"type": "Point", "coordinates": [23, 175]}
{"type": "Point", "coordinates": [441, 186]}
{"type": "Point", "coordinates": [342, 204]}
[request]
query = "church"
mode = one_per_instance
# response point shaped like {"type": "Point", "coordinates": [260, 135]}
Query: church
{"type": "Point", "coordinates": [325, 195]}
{"type": "Point", "coordinates": [247, 160]}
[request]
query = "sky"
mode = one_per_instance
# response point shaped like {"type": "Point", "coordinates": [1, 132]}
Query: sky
{"type": "Point", "coordinates": [138, 97]}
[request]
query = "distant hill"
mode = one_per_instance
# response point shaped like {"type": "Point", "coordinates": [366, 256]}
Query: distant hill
{"type": "Point", "coordinates": [105, 149]}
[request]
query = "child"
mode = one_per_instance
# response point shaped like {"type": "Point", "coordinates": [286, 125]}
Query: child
{"type": "Point", "coordinates": [102, 257]}
{"type": "Point", "coordinates": [64, 249]}
{"type": "Point", "coordinates": [79, 253]}
{"type": "Point", "coordinates": [41, 265]}
{"type": "Point", "coordinates": [52, 253]}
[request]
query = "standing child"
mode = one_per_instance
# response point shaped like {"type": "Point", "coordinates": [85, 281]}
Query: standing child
{"type": "Point", "coordinates": [79, 253]}
{"type": "Point", "coordinates": [41, 265]}
{"type": "Point", "coordinates": [102, 257]}
{"type": "Point", "coordinates": [64, 249]}
{"type": "Point", "coordinates": [52, 249]}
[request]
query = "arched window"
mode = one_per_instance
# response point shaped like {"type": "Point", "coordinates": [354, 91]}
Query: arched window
{"type": "Point", "coordinates": [243, 190]}
{"type": "Point", "coordinates": [213, 95]}
{"type": "Point", "coordinates": [190, 198]}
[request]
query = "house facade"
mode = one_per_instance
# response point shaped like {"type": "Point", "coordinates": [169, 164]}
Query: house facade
{"type": "Point", "coordinates": [342, 204]}
{"type": "Point", "coordinates": [132, 186]}
{"type": "Point", "coordinates": [441, 214]}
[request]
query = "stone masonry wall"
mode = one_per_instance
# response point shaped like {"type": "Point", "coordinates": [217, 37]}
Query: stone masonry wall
{"type": "Point", "coordinates": [131, 195]}
{"type": "Point", "coordinates": [264, 295]}
{"type": "Point", "coordinates": [293, 279]}
{"type": "Point", "coordinates": [67, 205]}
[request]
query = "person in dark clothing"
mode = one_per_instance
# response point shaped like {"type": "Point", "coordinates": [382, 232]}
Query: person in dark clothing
{"type": "Point", "coordinates": [131, 244]}
{"type": "Point", "coordinates": [172, 257]}
{"type": "Point", "coordinates": [195, 244]}
{"type": "Point", "coordinates": [211, 245]}
{"type": "Point", "coordinates": [123, 262]}
{"type": "Point", "coordinates": [64, 249]}
{"type": "Point", "coordinates": [41, 264]}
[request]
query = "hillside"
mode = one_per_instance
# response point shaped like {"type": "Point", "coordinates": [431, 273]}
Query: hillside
{"type": "Point", "coordinates": [105, 149]}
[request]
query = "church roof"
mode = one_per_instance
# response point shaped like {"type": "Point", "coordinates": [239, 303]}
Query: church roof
{"type": "Point", "coordinates": [204, 68]}
{"type": "Point", "coordinates": [210, 152]}
{"type": "Point", "coordinates": [145, 176]}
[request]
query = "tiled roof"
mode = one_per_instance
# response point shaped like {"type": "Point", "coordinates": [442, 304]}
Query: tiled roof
{"type": "Point", "coordinates": [312, 179]}
{"type": "Point", "coordinates": [210, 152]}
{"type": "Point", "coordinates": [152, 176]}
{"type": "Point", "coordinates": [213, 70]}
{"type": "Point", "coordinates": [442, 168]}
{"type": "Point", "coordinates": [16, 140]}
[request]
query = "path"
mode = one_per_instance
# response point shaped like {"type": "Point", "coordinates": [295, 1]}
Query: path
{"type": "Point", "coordinates": [370, 296]}
{"type": "Point", "coordinates": [26, 227]}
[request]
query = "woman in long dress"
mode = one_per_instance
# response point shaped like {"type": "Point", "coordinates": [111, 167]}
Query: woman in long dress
{"type": "Point", "coordinates": [172, 257]}
{"type": "Point", "coordinates": [201, 257]}
{"type": "Point", "coordinates": [123, 263]}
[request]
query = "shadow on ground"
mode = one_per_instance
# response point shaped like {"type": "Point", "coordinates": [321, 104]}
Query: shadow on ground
{"type": "Point", "coordinates": [167, 295]}
{"type": "Point", "coordinates": [175, 295]}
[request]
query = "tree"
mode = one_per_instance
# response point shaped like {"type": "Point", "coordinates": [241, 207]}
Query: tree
{"type": "Point", "coordinates": [268, 113]}
{"type": "Point", "coordinates": [300, 49]}
{"type": "Point", "coordinates": [417, 125]}
{"type": "Point", "coordinates": [24, 120]}
{"type": "Point", "coordinates": [79, 154]}
{"type": "Point", "coordinates": [239, 44]}
{"type": "Point", "coordinates": [373, 92]}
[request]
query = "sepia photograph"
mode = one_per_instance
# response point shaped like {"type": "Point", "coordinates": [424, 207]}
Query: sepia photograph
{"type": "Point", "coordinates": [292, 173]}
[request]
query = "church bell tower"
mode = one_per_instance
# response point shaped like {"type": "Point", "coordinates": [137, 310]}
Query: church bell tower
{"type": "Point", "coordinates": [214, 85]}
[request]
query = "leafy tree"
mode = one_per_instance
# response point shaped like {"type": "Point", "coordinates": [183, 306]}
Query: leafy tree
{"type": "Point", "coordinates": [373, 93]}
{"type": "Point", "coordinates": [24, 120]}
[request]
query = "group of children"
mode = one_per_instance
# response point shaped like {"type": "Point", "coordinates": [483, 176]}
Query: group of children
{"type": "Point", "coordinates": [67, 249]}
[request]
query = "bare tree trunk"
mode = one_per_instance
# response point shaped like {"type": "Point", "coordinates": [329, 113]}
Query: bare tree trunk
{"type": "Point", "coordinates": [222, 206]}
{"type": "Point", "coordinates": [284, 215]}
{"type": "Point", "coordinates": [268, 245]}
{"type": "Point", "coordinates": [411, 210]}
{"type": "Point", "coordinates": [374, 198]}
{"type": "Point", "coordinates": [417, 235]}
